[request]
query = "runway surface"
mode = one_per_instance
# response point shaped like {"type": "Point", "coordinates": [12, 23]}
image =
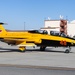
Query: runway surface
{"type": "Point", "coordinates": [52, 61]}
{"type": "Point", "coordinates": [33, 71]}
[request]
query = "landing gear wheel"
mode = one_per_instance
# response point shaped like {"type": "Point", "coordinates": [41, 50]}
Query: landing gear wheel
{"type": "Point", "coordinates": [67, 51]}
{"type": "Point", "coordinates": [22, 48]}
{"type": "Point", "coordinates": [22, 51]}
{"type": "Point", "coordinates": [42, 48]}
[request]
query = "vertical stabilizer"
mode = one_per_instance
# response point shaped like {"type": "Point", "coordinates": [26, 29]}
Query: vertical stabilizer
{"type": "Point", "coordinates": [2, 29]}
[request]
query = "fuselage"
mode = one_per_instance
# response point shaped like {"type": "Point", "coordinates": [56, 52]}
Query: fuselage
{"type": "Point", "coordinates": [40, 39]}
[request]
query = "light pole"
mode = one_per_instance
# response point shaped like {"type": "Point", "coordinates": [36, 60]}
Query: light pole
{"type": "Point", "coordinates": [24, 25]}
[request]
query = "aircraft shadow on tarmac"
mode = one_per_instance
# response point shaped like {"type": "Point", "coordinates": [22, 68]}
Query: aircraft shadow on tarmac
{"type": "Point", "coordinates": [46, 50]}
{"type": "Point", "coordinates": [8, 50]}
{"type": "Point", "coordinates": [2, 50]}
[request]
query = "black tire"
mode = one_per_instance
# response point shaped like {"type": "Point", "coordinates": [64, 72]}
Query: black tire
{"type": "Point", "coordinates": [67, 51]}
{"type": "Point", "coordinates": [42, 48]}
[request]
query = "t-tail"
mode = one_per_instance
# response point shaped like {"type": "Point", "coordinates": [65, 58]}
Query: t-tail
{"type": "Point", "coordinates": [2, 29]}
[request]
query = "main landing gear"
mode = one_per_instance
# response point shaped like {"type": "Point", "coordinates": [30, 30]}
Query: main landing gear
{"type": "Point", "coordinates": [42, 48]}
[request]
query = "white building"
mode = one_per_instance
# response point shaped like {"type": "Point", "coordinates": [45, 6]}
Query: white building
{"type": "Point", "coordinates": [71, 28]}
{"type": "Point", "coordinates": [51, 25]}
{"type": "Point", "coordinates": [54, 25]}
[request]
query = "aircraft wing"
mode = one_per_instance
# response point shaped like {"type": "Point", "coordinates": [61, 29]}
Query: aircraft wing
{"type": "Point", "coordinates": [21, 41]}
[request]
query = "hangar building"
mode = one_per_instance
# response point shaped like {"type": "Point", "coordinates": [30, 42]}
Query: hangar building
{"type": "Point", "coordinates": [60, 26]}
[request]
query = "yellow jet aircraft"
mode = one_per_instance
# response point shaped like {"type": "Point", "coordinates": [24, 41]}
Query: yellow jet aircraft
{"type": "Point", "coordinates": [35, 38]}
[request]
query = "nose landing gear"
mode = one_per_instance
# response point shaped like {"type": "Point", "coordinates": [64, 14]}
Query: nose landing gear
{"type": "Point", "coordinates": [68, 50]}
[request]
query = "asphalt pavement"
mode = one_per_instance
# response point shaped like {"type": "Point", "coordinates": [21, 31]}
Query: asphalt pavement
{"type": "Point", "coordinates": [52, 57]}
{"type": "Point", "coordinates": [33, 71]}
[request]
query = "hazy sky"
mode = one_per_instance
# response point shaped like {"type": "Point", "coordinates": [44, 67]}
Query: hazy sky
{"type": "Point", "coordinates": [34, 12]}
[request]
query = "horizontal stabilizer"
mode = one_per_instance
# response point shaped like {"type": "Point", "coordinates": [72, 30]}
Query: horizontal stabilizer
{"type": "Point", "coordinates": [1, 23]}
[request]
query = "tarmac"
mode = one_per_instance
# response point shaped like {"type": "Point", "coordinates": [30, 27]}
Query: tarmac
{"type": "Point", "coordinates": [52, 57]}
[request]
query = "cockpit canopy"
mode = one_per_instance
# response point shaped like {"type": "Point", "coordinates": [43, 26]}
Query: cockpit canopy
{"type": "Point", "coordinates": [56, 33]}
{"type": "Point", "coordinates": [38, 31]}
